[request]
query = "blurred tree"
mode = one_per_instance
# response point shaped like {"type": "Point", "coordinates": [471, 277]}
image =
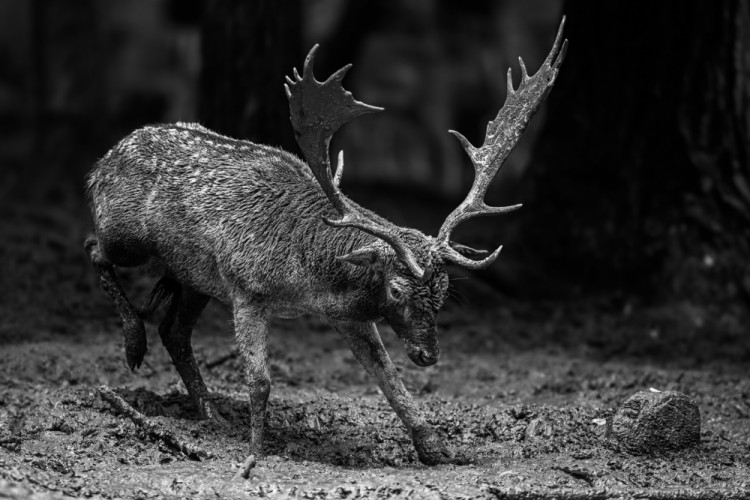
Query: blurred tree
{"type": "Point", "coordinates": [640, 179]}
{"type": "Point", "coordinates": [247, 48]}
{"type": "Point", "coordinates": [66, 89]}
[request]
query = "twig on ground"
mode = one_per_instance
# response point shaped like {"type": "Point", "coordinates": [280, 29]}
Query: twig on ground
{"type": "Point", "coordinates": [244, 472]}
{"type": "Point", "coordinates": [168, 438]}
{"type": "Point", "coordinates": [581, 474]}
{"type": "Point", "coordinates": [221, 360]}
{"type": "Point", "coordinates": [616, 493]}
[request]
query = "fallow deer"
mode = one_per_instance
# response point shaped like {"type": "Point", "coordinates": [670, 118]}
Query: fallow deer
{"type": "Point", "coordinates": [270, 235]}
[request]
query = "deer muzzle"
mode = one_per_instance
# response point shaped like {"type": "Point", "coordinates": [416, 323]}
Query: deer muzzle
{"type": "Point", "coordinates": [419, 337]}
{"type": "Point", "coordinates": [423, 353]}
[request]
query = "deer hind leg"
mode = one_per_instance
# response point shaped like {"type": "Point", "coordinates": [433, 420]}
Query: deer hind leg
{"type": "Point", "coordinates": [132, 325]}
{"type": "Point", "coordinates": [251, 331]}
{"type": "Point", "coordinates": [365, 342]}
{"type": "Point", "coordinates": [175, 330]}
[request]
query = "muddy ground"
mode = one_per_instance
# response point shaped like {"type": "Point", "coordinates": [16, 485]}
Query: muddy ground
{"type": "Point", "coordinates": [521, 391]}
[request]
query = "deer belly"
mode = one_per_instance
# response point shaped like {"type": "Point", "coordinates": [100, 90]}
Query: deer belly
{"type": "Point", "coordinates": [289, 313]}
{"type": "Point", "coordinates": [192, 267]}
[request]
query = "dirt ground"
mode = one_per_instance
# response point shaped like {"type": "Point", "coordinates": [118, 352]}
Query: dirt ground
{"type": "Point", "coordinates": [522, 390]}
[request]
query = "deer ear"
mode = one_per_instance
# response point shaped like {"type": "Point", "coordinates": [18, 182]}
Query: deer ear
{"type": "Point", "coordinates": [365, 257]}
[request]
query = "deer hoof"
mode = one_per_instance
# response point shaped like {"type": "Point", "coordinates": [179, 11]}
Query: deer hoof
{"type": "Point", "coordinates": [430, 448]}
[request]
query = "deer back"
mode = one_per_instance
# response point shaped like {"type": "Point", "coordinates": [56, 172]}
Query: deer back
{"type": "Point", "coordinates": [222, 214]}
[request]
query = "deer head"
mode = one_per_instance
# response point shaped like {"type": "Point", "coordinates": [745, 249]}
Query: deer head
{"type": "Point", "coordinates": [409, 263]}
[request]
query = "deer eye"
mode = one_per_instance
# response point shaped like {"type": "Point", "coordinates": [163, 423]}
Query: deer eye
{"type": "Point", "coordinates": [395, 294]}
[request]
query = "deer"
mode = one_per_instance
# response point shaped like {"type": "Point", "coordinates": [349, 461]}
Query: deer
{"type": "Point", "coordinates": [270, 235]}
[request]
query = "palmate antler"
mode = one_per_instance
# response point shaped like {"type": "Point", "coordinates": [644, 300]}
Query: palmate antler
{"type": "Point", "coordinates": [318, 110]}
{"type": "Point", "coordinates": [502, 135]}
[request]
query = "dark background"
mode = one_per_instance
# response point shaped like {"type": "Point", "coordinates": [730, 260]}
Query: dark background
{"type": "Point", "coordinates": [634, 175]}
{"type": "Point", "coordinates": [626, 269]}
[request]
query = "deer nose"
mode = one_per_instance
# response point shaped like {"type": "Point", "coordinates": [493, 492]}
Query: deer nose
{"type": "Point", "coordinates": [428, 358]}
{"type": "Point", "coordinates": [423, 354]}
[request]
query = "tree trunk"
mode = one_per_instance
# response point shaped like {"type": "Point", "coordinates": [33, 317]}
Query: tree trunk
{"type": "Point", "coordinates": [247, 48]}
{"type": "Point", "coordinates": [66, 95]}
{"type": "Point", "coordinates": [640, 176]}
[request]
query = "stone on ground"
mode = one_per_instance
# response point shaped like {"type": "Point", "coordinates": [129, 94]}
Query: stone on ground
{"type": "Point", "coordinates": [650, 422]}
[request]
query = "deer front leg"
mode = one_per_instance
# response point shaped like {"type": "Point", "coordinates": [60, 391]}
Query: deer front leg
{"type": "Point", "coordinates": [365, 342]}
{"type": "Point", "coordinates": [251, 332]}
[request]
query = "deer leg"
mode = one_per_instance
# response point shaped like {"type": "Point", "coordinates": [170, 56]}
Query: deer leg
{"type": "Point", "coordinates": [251, 331]}
{"type": "Point", "coordinates": [132, 325]}
{"type": "Point", "coordinates": [175, 330]}
{"type": "Point", "coordinates": [365, 342]}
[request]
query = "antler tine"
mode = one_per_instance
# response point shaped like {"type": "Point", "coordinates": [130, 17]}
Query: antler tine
{"type": "Point", "coordinates": [339, 169]}
{"type": "Point", "coordinates": [502, 135]}
{"type": "Point", "coordinates": [318, 110]}
{"type": "Point", "coordinates": [558, 52]}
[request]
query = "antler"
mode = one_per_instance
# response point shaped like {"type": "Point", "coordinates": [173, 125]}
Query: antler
{"type": "Point", "coordinates": [502, 135]}
{"type": "Point", "coordinates": [318, 110]}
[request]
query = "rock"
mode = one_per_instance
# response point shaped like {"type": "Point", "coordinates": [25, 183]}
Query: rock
{"type": "Point", "coordinates": [539, 428]}
{"type": "Point", "coordinates": [650, 422]}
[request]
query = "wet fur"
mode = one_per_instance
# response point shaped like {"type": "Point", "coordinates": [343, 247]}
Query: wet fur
{"type": "Point", "coordinates": [222, 214]}
{"type": "Point", "coordinates": [243, 223]}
